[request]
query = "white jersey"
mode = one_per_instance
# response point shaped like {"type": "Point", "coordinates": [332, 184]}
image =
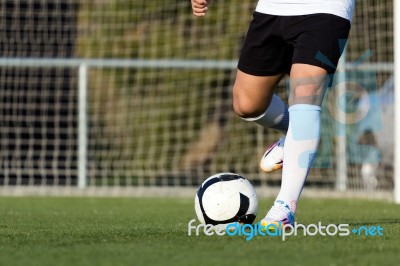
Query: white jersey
{"type": "Point", "coordinates": [341, 8]}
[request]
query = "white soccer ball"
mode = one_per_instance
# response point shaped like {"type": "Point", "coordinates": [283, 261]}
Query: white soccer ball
{"type": "Point", "coordinates": [226, 198]}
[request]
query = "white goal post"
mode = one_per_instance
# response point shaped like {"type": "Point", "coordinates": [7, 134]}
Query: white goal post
{"type": "Point", "coordinates": [397, 101]}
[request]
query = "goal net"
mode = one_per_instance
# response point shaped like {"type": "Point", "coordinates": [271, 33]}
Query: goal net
{"type": "Point", "coordinates": [153, 104]}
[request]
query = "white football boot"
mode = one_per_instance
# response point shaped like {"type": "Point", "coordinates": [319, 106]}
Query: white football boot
{"type": "Point", "coordinates": [279, 214]}
{"type": "Point", "coordinates": [272, 159]}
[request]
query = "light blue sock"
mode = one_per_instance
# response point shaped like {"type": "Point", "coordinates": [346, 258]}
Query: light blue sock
{"type": "Point", "coordinates": [301, 145]}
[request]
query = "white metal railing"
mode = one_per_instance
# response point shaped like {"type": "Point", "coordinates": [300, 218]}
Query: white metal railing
{"type": "Point", "coordinates": [155, 63]}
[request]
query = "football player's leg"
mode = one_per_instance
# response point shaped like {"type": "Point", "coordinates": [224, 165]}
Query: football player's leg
{"type": "Point", "coordinates": [307, 86]}
{"type": "Point", "coordinates": [264, 58]}
{"type": "Point", "coordinates": [253, 100]}
{"type": "Point", "coordinates": [317, 34]}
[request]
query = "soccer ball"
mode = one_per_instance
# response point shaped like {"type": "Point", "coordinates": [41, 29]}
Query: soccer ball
{"type": "Point", "coordinates": [226, 198]}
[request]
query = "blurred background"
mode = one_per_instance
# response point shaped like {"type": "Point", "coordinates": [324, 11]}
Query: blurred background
{"type": "Point", "coordinates": [135, 94]}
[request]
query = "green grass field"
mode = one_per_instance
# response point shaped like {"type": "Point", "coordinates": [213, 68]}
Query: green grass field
{"type": "Point", "coordinates": [142, 231]}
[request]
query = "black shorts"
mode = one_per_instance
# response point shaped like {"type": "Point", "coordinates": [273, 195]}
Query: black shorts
{"type": "Point", "coordinates": [274, 43]}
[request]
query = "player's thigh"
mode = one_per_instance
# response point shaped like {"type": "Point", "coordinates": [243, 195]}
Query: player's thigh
{"type": "Point", "coordinates": [318, 40]}
{"type": "Point", "coordinates": [307, 84]}
{"type": "Point", "coordinates": [318, 44]}
{"type": "Point", "coordinates": [252, 94]}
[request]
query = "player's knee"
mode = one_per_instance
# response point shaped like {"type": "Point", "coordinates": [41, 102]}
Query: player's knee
{"type": "Point", "coordinates": [251, 99]}
{"type": "Point", "coordinates": [245, 108]}
{"type": "Point", "coordinates": [307, 94]}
